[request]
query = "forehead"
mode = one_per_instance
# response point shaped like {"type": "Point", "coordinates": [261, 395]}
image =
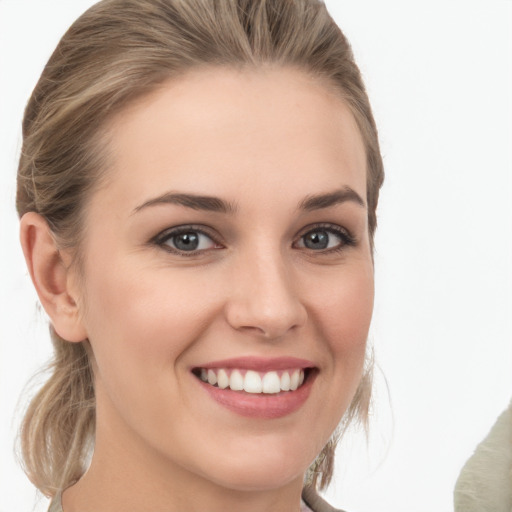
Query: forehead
{"type": "Point", "coordinates": [224, 131]}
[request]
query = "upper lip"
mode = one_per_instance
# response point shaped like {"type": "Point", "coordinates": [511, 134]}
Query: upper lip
{"type": "Point", "coordinates": [259, 364]}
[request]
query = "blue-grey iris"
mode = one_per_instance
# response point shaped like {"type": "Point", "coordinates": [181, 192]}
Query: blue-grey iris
{"type": "Point", "coordinates": [316, 240]}
{"type": "Point", "coordinates": [186, 241]}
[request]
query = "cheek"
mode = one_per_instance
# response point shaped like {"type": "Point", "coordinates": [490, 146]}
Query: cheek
{"type": "Point", "coordinates": [140, 320]}
{"type": "Point", "coordinates": [141, 324]}
{"type": "Point", "coordinates": [343, 308]}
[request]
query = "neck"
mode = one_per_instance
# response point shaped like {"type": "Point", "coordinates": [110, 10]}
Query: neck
{"type": "Point", "coordinates": [126, 476]}
{"type": "Point", "coordinates": [102, 491]}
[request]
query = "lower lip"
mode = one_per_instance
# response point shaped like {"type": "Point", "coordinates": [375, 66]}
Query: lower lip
{"type": "Point", "coordinates": [261, 405]}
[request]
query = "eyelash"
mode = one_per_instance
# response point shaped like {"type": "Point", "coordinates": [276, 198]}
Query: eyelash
{"type": "Point", "coordinates": [162, 238]}
{"type": "Point", "coordinates": [346, 239]}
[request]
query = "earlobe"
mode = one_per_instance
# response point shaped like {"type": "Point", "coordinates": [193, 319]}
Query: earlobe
{"type": "Point", "coordinates": [51, 277]}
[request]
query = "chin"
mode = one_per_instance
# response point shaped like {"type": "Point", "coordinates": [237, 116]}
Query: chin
{"type": "Point", "coordinates": [246, 473]}
{"type": "Point", "coordinates": [257, 479]}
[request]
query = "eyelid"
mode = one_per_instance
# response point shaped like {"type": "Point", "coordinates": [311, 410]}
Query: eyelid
{"type": "Point", "coordinates": [168, 233]}
{"type": "Point", "coordinates": [347, 238]}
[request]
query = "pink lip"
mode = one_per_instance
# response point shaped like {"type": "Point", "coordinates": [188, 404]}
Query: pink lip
{"type": "Point", "coordinates": [262, 406]}
{"type": "Point", "coordinates": [260, 364]}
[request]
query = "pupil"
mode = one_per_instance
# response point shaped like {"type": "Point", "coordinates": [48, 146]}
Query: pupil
{"type": "Point", "coordinates": [316, 240]}
{"type": "Point", "coordinates": [186, 241]}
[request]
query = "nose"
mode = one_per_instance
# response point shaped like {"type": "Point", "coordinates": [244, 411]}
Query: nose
{"type": "Point", "coordinates": [264, 300]}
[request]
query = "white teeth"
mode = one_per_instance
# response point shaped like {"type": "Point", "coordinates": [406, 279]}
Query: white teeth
{"type": "Point", "coordinates": [236, 381]}
{"type": "Point", "coordinates": [285, 381]}
{"type": "Point", "coordinates": [253, 381]}
{"type": "Point", "coordinates": [294, 380]}
{"type": "Point", "coordinates": [271, 383]}
{"type": "Point", "coordinates": [212, 377]}
{"type": "Point", "coordinates": [222, 379]}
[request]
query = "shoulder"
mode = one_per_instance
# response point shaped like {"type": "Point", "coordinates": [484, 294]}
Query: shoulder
{"type": "Point", "coordinates": [315, 502]}
{"type": "Point", "coordinates": [485, 480]}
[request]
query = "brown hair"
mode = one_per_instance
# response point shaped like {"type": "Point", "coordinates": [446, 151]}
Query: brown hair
{"type": "Point", "coordinates": [117, 51]}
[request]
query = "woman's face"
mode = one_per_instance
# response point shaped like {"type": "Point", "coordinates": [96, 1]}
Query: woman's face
{"type": "Point", "coordinates": [229, 244]}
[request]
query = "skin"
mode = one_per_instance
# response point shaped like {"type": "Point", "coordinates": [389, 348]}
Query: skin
{"type": "Point", "coordinates": [263, 141]}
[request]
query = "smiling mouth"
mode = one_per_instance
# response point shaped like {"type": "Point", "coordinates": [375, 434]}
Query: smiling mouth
{"type": "Point", "coordinates": [254, 382]}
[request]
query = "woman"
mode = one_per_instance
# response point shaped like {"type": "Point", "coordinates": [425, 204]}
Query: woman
{"type": "Point", "coordinates": [197, 191]}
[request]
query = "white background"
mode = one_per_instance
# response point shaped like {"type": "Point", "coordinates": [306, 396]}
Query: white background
{"type": "Point", "coordinates": [439, 75]}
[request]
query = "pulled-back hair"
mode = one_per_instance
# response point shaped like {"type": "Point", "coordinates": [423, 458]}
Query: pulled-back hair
{"type": "Point", "coordinates": [116, 52]}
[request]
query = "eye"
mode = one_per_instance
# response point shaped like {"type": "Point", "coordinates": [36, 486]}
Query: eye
{"type": "Point", "coordinates": [325, 238]}
{"type": "Point", "coordinates": [186, 239]}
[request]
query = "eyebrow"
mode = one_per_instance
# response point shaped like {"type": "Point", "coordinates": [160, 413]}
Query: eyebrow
{"type": "Point", "coordinates": [196, 202]}
{"type": "Point", "coordinates": [215, 204]}
{"type": "Point", "coordinates": [320, 201]}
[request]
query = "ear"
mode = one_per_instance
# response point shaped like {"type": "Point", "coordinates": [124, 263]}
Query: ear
{"type": "Point", "coordinates": [51, 277]}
